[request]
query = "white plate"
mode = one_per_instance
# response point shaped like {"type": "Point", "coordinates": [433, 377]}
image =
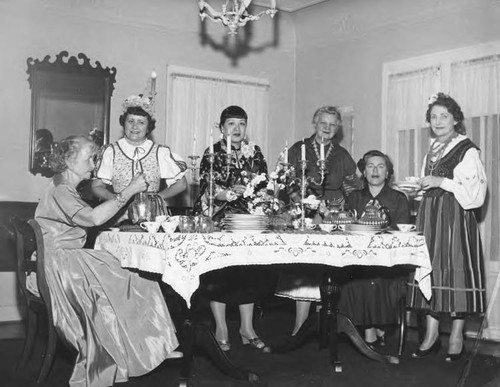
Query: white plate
{"type": "Point", "coordinates": [407, 185]}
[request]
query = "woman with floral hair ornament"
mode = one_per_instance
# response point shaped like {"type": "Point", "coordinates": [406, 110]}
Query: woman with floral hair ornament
{"type": "Point", "coordinates": [235, 285]}
{"type": "Point", "coordinates": [136, 153]}
{"type": "Point", "coordinates": [454, 184]}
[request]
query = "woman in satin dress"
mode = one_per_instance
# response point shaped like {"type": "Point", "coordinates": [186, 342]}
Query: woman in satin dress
{"type": "Point", "coordinates": [117, 321]}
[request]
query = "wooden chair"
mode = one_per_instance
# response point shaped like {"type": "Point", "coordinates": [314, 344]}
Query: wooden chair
{"type": "Point", "coordinates": [28, 239]}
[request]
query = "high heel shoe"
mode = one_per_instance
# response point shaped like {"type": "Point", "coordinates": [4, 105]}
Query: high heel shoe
{"type": "Point", "coordinates": [434, 348]}
{"type": "Point", "coordinates": [255, 342]}
{"type": "Point", "coordinates": [379, 342]}
{"type": "Point", "coordinates": [224, 345]}
{"type": "Point", "coordinates": [453, 357]}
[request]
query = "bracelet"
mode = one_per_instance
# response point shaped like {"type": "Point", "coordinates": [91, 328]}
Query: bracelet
{"type": "Point", "coordinates": [119, 200]}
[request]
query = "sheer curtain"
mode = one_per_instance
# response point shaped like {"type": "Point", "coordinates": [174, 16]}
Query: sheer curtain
{"type": "Point", "coordinates": [407, 132]}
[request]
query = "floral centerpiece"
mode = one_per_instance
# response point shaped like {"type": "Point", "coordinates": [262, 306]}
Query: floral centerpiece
{"type": "Point", "coordinates": [262, 193]}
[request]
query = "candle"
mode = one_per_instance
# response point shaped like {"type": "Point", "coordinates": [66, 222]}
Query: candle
{"type": "Point", "coordinates": [303, 151]}
{"type": "Point", "coordinates": [153, 83]}
{"type": "Point", "coordinates": [211, 145]}
{"type": "Point", "coordinates": [194, 146]}
{"type": "Point", "coordinates": [322, 150]}
{"type": "Point", "coordinates": [228, 139]}
{"type": "Point", "coordinates": [285, 155]}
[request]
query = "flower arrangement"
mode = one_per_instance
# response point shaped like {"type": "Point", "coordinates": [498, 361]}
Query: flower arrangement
{"type": "Point", "coordinates": [144, 102]}
{"type": "Point", "coordinates": [262, 190]}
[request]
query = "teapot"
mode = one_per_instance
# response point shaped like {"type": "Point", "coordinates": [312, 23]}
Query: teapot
{"type": "Point", "coordinates": [337, 214]}
{"type": "Point", "coordinates": [375, 214]}
{"type": "Point", "coordinates": [141, 209]}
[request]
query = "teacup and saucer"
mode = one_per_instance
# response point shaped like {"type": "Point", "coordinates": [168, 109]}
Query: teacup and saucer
{"type": "Point", "coordinates": [151, 227]}
{"type": "Point", "coordinates": [406, 227]}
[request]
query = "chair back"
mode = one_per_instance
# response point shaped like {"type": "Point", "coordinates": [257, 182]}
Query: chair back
{"type": "Point", "coordinates": [41, 278]}
{"type": "Point", "coordinates": [25, 246]}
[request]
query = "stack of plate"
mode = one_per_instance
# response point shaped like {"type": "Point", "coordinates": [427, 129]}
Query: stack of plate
{"type": "Point", "coordinates": [245, 223]}
{"type": "Point", "coordinates": [363, 228]}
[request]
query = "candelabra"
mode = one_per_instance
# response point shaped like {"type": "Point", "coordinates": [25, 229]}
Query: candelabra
{"type": "Point", "coordinates": [194, 168]}
{"type": "Point", "coordinates": [304, 181]}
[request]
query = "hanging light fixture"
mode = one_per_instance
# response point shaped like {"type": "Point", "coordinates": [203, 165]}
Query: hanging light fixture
{"type": "Point", "coordinates": [233, 15]}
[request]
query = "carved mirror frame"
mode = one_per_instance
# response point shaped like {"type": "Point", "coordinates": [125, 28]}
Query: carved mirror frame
{"type": "Point", "coordinates": [68, 97]}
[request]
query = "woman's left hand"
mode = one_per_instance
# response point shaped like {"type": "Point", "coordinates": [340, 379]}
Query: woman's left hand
{"type": "Point", "coordinates": [428, 182]}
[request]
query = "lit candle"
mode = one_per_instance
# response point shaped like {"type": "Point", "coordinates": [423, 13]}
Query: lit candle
{"type": "Point", "coordinates": [211, 145]}
{"type": "Point", "coordinates": [228, 139]}
{"type": "Point", "coordinates": [322, 150]}
{"type": "Point", "coordinates": [153, 83]}
{"type": "Point", "coordinates": [194, 146]}
{"type": "Point", "coordinates": [303, 151]}
{"type": "Point", "coordinates": [285, 154]}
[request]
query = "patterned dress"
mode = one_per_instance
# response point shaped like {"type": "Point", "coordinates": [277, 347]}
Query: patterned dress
{"type": "Point", "coordinates": [117, 321]}
{"type": "Point", "coordinates": [120, 161]}
{"type": "Point", "coordinates": [447, 220]}
{"type": "Point", "coordinates": [232, 285]}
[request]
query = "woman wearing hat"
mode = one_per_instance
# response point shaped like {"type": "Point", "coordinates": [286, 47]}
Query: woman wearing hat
{"type": "Point", "coordinates": [136, 153]}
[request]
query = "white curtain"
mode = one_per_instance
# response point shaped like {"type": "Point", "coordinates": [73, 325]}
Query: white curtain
{"type": "Point", "coordinates": [475, 85]}
{"type": "Point", "coordinates": [407, 133]}
{"type": "Point", "coordinates": [196, 102]}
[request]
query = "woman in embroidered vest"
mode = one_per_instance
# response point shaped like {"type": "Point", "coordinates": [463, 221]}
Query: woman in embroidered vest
{"type": "Point", "coordinates": [455, 184]}
{"type": "Point", "coordinates": [98, 307]}
{"type": "Point", "coordinates": [136, 153]}
{"type": "Point", "coordinates": [339, 181]}
{"type": "Point", "coordinates": [242, 285]}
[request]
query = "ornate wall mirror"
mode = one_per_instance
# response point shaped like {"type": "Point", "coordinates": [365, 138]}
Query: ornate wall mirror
{"type": "Point", "coordinates": [68, 97]}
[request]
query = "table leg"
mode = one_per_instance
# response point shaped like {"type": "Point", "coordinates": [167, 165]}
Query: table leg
{"type": "Point", "coordinates": [196, 335]}
{"type": "Point", "coordinates": [333, 322]}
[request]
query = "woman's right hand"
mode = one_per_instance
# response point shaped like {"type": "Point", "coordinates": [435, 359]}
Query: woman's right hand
{"type": "Point", "coordinates": [137, 184]}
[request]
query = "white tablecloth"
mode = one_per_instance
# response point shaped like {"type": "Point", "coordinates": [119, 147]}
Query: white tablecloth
{"type": "Point", "coordinates": [182, 258]}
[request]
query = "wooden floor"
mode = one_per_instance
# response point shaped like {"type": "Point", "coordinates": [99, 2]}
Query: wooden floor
{"type": "Point", "coordinates": [307, 367]}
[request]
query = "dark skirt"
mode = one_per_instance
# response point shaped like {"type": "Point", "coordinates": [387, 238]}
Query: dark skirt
{"type": "Point", "coordinates": [238, 285]}
{"type": "Point", "coordinates": [373, 295]}
{"type": "Point", "coordinates": [454, 244]}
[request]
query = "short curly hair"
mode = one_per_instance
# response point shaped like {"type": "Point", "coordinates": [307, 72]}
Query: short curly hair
{"type": "Point", "coordinates": [441, 99]}
{"type": "Point", "coordinates": [388, 163]}
{"type": "Point", "coordinates": [138, 111]}
{"type": "Point", "coordinates": [68, 149]}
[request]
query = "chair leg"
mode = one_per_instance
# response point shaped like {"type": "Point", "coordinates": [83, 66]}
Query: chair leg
{"type": "Point", "coordinates": [29, 341]}
{"type": "Point", "coordinates": [402, 325]}
{"type": "Point", "coordinates": [49, 356]}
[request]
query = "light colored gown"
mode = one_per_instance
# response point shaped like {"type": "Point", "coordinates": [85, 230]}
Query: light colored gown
{"type": "Point", "coordinates": [117, 321]}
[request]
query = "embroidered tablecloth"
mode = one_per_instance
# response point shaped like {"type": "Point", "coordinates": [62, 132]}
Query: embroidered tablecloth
{"type": "Point", "coordinates": [182, 258]}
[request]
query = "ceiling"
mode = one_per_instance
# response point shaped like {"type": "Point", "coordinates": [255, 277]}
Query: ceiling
{"type": "Point", "coordinates": [289, 5]}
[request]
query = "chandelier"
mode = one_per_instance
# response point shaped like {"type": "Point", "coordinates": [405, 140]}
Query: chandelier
{"type": "Point", "coordinates": [233, 15]}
